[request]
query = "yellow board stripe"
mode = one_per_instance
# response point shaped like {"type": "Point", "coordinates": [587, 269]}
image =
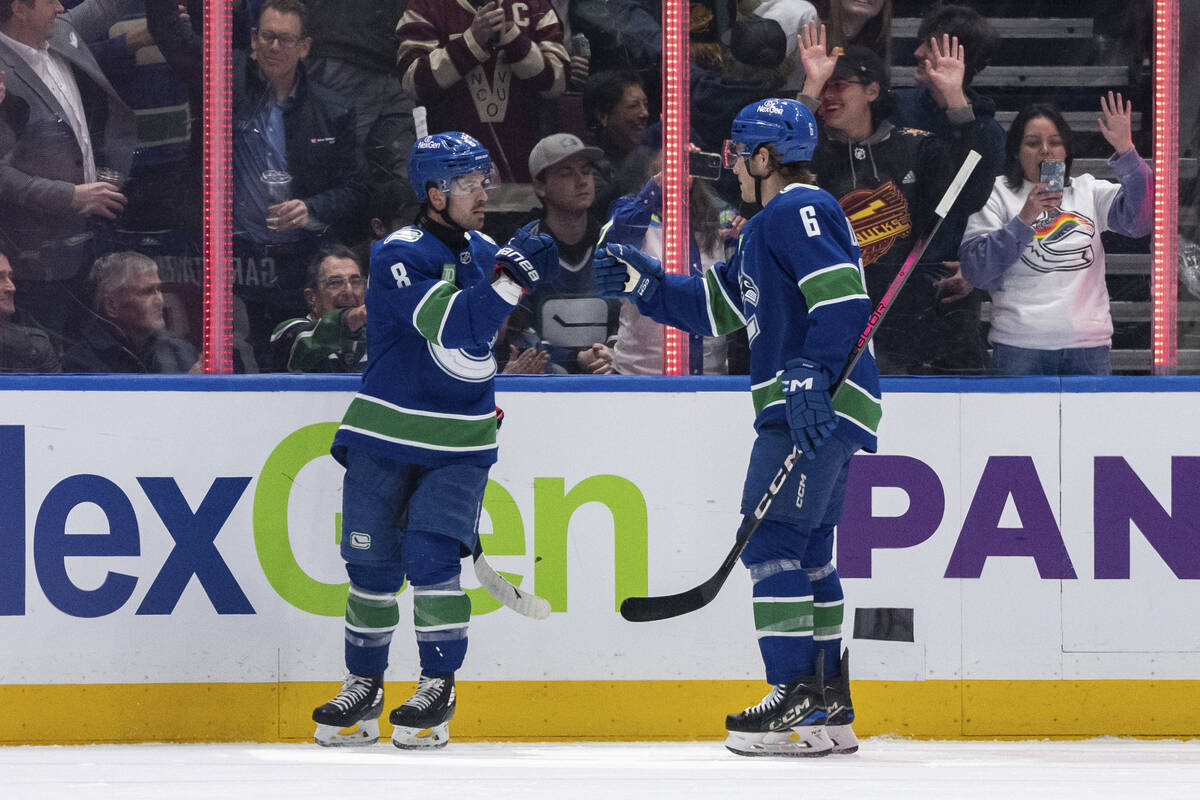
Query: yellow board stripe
{"type": "Point", "coordinates": [600, 710]}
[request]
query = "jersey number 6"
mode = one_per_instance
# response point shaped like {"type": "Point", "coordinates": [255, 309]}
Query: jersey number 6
{"type": "Point", "coordinates": [809, 217]}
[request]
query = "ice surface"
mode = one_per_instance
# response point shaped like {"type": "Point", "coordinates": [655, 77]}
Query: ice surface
{"type": "Point", "coordinates": [884, 768]}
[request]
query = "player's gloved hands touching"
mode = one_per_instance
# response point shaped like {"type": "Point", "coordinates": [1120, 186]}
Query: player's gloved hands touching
{"type": "Point", "coordinates": [809, 404]}
{"type": "Point", "coordinates": [529, 258]}
{"type": "Point", "coordinates": [622, 269]}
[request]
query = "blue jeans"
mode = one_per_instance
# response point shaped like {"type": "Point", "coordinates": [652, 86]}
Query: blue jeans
{"type": "Point", "coordinates": [1009, 360]}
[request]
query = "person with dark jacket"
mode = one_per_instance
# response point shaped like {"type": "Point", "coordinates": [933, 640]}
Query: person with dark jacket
{"type": "Point", "coordinates": [889, 180]}
{"type": "Point", "coordinates": [128, 332]}
{"type": "Point", "coordinates": [24, 346]}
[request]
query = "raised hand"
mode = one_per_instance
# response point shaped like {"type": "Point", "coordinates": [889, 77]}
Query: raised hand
{"type": "Point", "coordinates": [488, 23]}
{"type": "Point", "coordinates": [621, 269]}
{"type": "Point", "coordinates": [529, 258]}
{"type": "Point", "coordinates": [817, 60]}
{"type": "Point", "coordinates": [946, 69]}
{"type": "Point", "coordinates": [1117, 123]}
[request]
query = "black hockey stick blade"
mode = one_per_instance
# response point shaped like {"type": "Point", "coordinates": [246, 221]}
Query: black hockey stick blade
{"type": "Point", "coordinates": [524, 603]}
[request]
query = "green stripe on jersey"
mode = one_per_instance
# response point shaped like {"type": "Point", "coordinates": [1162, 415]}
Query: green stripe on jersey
{"type": "Point", "coordinates": [725, 315]}
{"type": "Point", "coordinates": [371, 613]}
{"type": "Point", "coordinates": [855, 403]}
{"type": "Point", "coordinates": [420, 429]}
{"type": "Point", "coordinates": [783, 615]}
{"type": "Point", "coordinates": [765, 394]}
{"type": "Point", "coordinates": [431, 312]}
{"type": "Point", "coordinates": [832, 284]}
{"type": "Point", "coordinates": [441, 610]}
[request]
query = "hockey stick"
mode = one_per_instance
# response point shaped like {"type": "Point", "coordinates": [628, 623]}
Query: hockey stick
{"type": "Point", "coordinates": [526, 603]}
{"type": "Point", "coordinates": [647, 609]}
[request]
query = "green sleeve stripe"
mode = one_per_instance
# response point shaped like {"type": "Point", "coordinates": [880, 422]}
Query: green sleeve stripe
{"type": "Point", "coordinates": [723, 314]}
{"type": "Point", "coordinates": [854, 403]}
{"type": "Point", "coordinates": [832, 285]}
{"type": "Point", "coordinates": [441, 611]}
{"type": "Point", "coordinates": [766, 394]}
{"type": "Point", "coordinates": [783, 615]}
{"type": "Point", "coordinates": [429, 316]}
{"type": "Point", "coordinates": [448, 432]}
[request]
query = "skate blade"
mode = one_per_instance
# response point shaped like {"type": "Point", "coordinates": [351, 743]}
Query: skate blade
{"type": "Point", "coordinates": [421, 738]}
{"type": "Point", "coordinates": [844, 740]}
{"type": "Point", "coordinates": [364, 733]}
{"type": "Point", "coordinates": [807, 742]}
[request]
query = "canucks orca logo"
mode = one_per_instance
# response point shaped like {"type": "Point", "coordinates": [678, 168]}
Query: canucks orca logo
{"type": "Point", "coordinates": [1062, 242]}
{"type": "Point", "coordinates": [749, 289]}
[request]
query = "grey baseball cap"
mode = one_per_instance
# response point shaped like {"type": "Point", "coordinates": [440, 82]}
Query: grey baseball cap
{"type": "Point", "coordinates": [555, 148]}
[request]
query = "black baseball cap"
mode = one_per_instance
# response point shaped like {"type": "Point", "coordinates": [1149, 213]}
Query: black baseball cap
{"type": "Point", "coordinates": [862, 64]}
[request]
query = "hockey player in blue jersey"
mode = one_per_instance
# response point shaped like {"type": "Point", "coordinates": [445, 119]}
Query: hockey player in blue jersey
{"type": "Point", "coordinates": [795, 283]}
{"type": "Point", "coordinates": [419, 437]}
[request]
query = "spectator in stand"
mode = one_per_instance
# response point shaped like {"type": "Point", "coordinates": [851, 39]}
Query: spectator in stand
{"type": "Point", "coordinates": [354, 54]}
{"type": "Point", "coordinates": [792, 16]}
{"type": "Point", "coordinates": [563, 321]}
{"type": "Point", "coordinates": [162, 161]}
{"type": "Point", "coordinates": [1038, 250]}
{"type": "Point", "coordinates": [638, 221]}
{"type": "Point", "coordinates": [24, 345]}
{"type": "Point", "coordinates": [889, 180]}
{"type": "Point", "coordinates": [283, 122]}
{"type": "Point", "coordinates": [333, 336]}
{"type": "Point", "coordinates": [483, 71]}
{"type": "Point", "coordinates": [65, 120]}
{"type": "Point", "coordinates": [625, 35]}
{"type": "Point", "coordinates": [128, 333]}
{"type": "Point", "coordinates": [614, 105]}
{"type": "Point", "coordinates": [863, 22]}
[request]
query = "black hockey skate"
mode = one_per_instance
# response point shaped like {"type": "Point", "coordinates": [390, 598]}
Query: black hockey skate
{"type": "Point", "coordinates": [790, 721]}
{"type": "Point", "coordinates": [423, 720]}
{"type": "Point", "coordinates": [840, 710]}
{"type": "Point", "coordinates": [351, 719]}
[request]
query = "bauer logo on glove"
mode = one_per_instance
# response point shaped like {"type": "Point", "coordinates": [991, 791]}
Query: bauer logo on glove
{"type": "Point", "coordinates": [510, 257]}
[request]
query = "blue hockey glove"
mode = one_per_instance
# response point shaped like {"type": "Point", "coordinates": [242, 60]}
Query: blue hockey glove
{"type": "Point", "coordinates": [622, 269]}
{"type": "Point", "coordinates": [529, 258]}
{"type": "Point", "coordinates": [809, 404]}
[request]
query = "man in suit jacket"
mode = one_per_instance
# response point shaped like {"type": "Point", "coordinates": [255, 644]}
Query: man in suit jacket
{"type": "Point", "coordinates": [65, 121]}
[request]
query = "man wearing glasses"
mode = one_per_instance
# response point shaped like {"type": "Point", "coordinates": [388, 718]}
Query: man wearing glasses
{"type": "Point", "coordinates": [296, 178]}
{"type": "Point", "coordinates": [333, 337]}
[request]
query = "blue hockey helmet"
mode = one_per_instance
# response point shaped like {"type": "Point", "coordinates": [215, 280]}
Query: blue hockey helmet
{"type": "Point", "coordinates": [441, 157]}
{"type": "Point", "coordinates": [786, 125]}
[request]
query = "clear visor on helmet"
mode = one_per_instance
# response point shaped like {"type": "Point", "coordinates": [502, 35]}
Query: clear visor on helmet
{"type": "Point", "coordinates": [472, 183]}
{"type": "Point", "coordinates": [735, 151]}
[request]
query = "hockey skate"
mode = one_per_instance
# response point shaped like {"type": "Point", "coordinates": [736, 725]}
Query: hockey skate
{"type": "Point", "coordinates": [351, 719]}
{"type": "Point", "coordinates": [840, 710]}
{"type": "Point", "coordinates": [790, 721]}
{"type": "Point", "coordinates": [423, 720]}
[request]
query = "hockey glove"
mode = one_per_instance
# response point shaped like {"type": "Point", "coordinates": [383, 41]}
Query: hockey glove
{"type": "Point", "coordinates": [622, 269]}
{"type": "Point", "coordinates": [809, 405]}
{"type": "Point", "coordinates": [529, 258]}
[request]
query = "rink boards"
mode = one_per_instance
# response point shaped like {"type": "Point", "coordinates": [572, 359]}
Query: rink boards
{"type": "Point", "coordinates": [1020, 559]}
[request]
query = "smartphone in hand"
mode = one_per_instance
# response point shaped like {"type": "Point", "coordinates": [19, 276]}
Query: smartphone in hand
{"type": "Point", "coordinates": [706, 166]}
{"type": "Point", "coordinates": [1053, 175]}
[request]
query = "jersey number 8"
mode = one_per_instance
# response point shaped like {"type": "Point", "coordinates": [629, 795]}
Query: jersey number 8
{"type": "Point", "coordinates": [400, 273]}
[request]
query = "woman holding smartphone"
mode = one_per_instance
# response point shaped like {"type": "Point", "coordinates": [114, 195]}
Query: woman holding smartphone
{"type": "Point", "coordinates": [1035, 245]}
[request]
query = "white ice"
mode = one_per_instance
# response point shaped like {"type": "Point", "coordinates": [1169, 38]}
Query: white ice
{"type": "Point", "coordinates": [883, 768]}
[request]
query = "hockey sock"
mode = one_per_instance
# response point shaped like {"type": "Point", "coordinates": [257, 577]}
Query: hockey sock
{"type": "Point", "coordinates": [370, 620]}
{"type": "Point", "coordinates": [783, 617]}
{"type": "Point", "coordinates": [440, 616]}
{"type": "Point", "coordinates": [828, 608]}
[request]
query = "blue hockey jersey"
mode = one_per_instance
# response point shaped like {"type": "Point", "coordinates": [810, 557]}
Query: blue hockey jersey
{"type": "Point", "coordinates": [432, 317]}
{"type": "Point", "coordinates": [796, 284]}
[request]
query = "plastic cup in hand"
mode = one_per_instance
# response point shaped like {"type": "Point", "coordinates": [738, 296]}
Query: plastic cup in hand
{"type": "Point", "coordinates": [278, 186]}
{"type": "Point", "coordinates": [111, 176]}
